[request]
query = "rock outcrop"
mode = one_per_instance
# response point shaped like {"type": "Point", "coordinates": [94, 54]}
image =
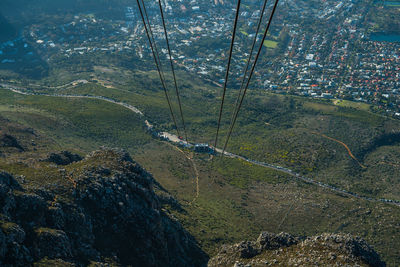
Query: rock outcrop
{"type": "Point", "coordinates": [286, 250]}
{"type": "Point", "coordinates": [110, 215]}
{"type": "Point", "coordinates": [63, 158]}
{"type": "Point", "coordinates": [7, 140]}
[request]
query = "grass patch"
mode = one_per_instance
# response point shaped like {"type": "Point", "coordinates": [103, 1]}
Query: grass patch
{"type": "Point", "coordinates": [270, 44]}
{"type": "Point", "coordinates": [319, 107]}
{"type": "Point", "coordinates": [244, 33]}
{"type": "Point", "coordinates": [352, 104]}
{"type": "Point", "coordinates": [242, 173]}
{"type": "Point", "coordinates": [91, 123]}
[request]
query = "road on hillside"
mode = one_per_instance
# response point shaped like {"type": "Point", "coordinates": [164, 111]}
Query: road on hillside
{"type": "Point", "coordinates": [18, 91]}
{"type": "Point", "coordinates": [175, 139]}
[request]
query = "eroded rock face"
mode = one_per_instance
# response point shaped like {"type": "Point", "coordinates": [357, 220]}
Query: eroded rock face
{"type": "Point", "coordinates": [286, 250]}
{"type": "Point", "coordinates": [111, 212]}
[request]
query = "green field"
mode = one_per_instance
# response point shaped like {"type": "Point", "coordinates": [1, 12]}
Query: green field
{"type": "Point", "coordinates": [352, 104]}
{"type": "Point", "coordinates": [270, 44]}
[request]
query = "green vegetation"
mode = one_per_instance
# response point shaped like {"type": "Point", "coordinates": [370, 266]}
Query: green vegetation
{"type": "Point", "coordinates": [270, 44]}
{"type": "Point", "coordinates": [352, 104]}
{"type": "Point", "coordinates": [237, 200]}
{"type": "Point", "coordinates": [242, 174]}
{"type": "Point", "coordinates": [78, 119]}
{"type": "Point", "coordinates": [283, 130]}
{"type": "Point", "coordinates": [383, 18]}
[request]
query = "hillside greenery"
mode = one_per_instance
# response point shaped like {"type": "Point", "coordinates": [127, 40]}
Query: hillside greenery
{"type": "Point", "coordinates": [302, 134]}
{"type": "Point", "coordinates": [236, 199]}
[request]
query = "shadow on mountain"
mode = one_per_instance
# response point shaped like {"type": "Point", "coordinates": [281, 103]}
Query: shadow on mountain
{"type": "Point", "coordinates": [382, 140]}
{"type": "Point", "coordinates": [7, 31]}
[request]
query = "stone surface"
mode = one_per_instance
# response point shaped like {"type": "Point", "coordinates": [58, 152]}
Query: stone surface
{"type": "Point", "coordinates": [111, 213]}
{"type": "Point", "coordinates": [286, 250]}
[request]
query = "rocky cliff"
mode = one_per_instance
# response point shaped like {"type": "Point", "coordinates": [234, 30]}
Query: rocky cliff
{"type": "Point", "coordinates": [108, 213]}
{"type": "Point", "coordinates": [287, 250]}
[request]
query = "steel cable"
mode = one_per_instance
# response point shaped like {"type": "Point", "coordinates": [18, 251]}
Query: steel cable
{"type": "Point", "coordinates": [251, 75]}
{"type": "Point", "coordinates": [227, 72]}
{"type": "Point", "coordinates": [173, 70]}
{"type": "Point", "coordinates": [248, 61]}
{"type": "Point", "coordinates": [158, 68]}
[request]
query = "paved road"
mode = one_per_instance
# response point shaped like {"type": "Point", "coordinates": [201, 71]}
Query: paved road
{"type": "Point", "coordinates": [70, 84]}
{"type": "Point", "coordinates": [19, 91]}
{"type": "Point", "coordinates": [174, 139]}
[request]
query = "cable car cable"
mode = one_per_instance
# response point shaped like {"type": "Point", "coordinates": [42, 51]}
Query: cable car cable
{"type": "Point", "coordinates": [251, 75]}
{"type": "Point", "coordinates": [173, 70]}
{"type": "Point", "coordinates": [227, 72]}
{"type": "Point", "coordinates": [158, 69]}
{"type": "Point", "coordinates": [249, 60]}
{"type": "Point", "coordinates": [153, 39]}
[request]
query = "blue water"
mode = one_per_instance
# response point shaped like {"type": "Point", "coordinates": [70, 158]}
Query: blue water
{"type": "Point", "coordinates": [392, 3]}
{"type": "Point", "coordinates": [380, 37]}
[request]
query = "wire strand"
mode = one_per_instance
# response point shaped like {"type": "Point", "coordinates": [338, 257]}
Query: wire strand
{"type": "Point", "coordinates": [173, 70]}
{"type": "Point", "coordinates": [251, 75]}
{"type": "Point", "coordinates": [158, 68]}
{"type": "Point", "coordinates": [153, 39]}
{"type": "Point", "coordinates": [227, 72]}
{"type": "Point", "coordinates": [249, 60]}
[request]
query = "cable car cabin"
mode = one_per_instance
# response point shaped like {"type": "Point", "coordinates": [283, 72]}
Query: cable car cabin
{"type": "Point", "coordinates": [162, 136]}
{"type": "Point", "coordinates": [204, 148]}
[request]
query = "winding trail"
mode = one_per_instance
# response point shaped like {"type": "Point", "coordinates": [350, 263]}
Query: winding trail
{"type": "Point", "coordinates": [174, 139]}
{"type": "Point", "coordinates": [345, 146]}
{"type": "Point", "coordinates": [197, 179]}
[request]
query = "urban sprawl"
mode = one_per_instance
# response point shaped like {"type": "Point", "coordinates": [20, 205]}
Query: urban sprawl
{"type": "Point", "coordinates": [320, 49]}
